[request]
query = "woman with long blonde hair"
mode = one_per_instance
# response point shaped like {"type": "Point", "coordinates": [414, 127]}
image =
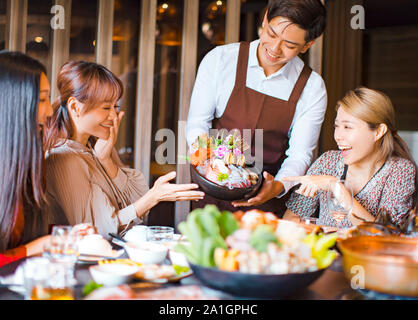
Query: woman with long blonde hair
{"type": "Point", "coordinates": [372, 159]}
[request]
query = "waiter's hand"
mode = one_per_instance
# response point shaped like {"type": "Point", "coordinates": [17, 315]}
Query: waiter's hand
{"type": "Point", "coordinates": [270, 189]}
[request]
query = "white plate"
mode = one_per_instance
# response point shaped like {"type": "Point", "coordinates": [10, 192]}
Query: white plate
{"type": "Point", "coordinates": [160, 273]}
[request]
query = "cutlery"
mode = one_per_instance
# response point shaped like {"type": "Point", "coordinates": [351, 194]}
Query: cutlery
{"type": "Point", "coordinates": [95, 256]}
{"type": "Point", "coordinates": [117, 240]}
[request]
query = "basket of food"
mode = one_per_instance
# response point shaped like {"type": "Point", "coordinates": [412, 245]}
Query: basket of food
{"type": "Point", "coordinates": [254, 254]}
{"type": "Point", "coordinates": [218, 166]}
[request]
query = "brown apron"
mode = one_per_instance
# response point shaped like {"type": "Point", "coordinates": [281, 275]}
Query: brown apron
{"type": "Point", "coordinates": [250, 109]}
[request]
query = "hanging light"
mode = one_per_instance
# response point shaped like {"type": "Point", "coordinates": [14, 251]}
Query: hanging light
{"type": "Point", "coordinates": [168, 28]}
{"type": "Point", "coordinates": [213, 26]}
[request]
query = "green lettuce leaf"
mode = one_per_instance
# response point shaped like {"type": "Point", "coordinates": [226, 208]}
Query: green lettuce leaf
{"type": "Point", "coordinates": [227, 224]}
{"type": "Point", "coordinates": [262, 236]}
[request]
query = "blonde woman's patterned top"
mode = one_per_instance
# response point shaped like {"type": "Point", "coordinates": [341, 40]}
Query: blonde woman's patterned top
{"type": "Point", "coordinates": [392, 188]}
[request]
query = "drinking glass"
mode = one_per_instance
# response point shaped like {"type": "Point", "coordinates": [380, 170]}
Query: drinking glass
{"type": "Point", "coordinates": [160, 234]}
{"type": "Point", "coordinates": [46, 279]}
{"type": "Point", "coordinates": [63, 248]}
{"type": "Point", "coordinates": [64, 241]}
{"type": "Point", "coordinates": [340, 200]}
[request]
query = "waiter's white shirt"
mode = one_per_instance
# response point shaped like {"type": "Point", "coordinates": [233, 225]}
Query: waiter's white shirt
{"type": "Point", "coordinates": [214, 84]}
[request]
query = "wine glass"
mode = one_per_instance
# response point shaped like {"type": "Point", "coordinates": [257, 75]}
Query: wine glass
{"type": "Point", "coordinates": [340, 200]}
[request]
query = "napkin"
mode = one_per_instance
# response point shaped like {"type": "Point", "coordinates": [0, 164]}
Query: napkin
{"type": "Point", "coordinates": [15, 281]}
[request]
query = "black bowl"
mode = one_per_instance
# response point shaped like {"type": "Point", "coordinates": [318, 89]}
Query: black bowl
{"type": "Point", "coordinates": [224, 193]}
{"type": "Point", "coordinates": [259, 286]}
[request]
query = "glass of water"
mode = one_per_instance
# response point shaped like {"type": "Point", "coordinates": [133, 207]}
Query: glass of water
{"type": "Point", "coordinates": [340, 200]}
{"type": "Point", "coordinates": [63, 248]}
{"type": "Point", "coordinates": [160, 234]}
{"type": "Point", "coordinates": [46, 279]}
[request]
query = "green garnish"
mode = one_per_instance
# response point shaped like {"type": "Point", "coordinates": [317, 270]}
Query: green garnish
{"type": "Point", "coordinates": [222, 176]}
{"type": "Point", "coordinates": [180, 269]}
{"type": "Point", "coordinates": [262, 236]}
{"type": "Point", "coordinates": [202, 143]}
{"type": "Point", "coordinates": [90, 287]}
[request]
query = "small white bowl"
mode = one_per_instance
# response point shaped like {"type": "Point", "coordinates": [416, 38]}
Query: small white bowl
{"type": "Point", "coordinates": [112, 274]}
{"type": "Point", "coordinates": [95, 244]}
{"type": "Point", "coordinates": [146, 252]}
{"type": "Point", "coordinates": [137, 234]}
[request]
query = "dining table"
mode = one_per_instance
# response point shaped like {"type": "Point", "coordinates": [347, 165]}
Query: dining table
{"type": "Point", "coordinates": [332, 285]}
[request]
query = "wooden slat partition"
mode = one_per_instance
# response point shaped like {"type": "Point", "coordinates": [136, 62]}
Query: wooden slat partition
{"type": "Point", "coordinates": [187, 78]}
{"type": "Point", "coordinates": [105, 33]}
{"type": "Point", "coordinates": [16, 25]}
{"type": "Point", "coordinates": [315, 54]}
{"type": "Point", "coordinates": [233, 15]}
{"type": "Point", "coordinates": [146, 59]}
{"type": "Point", "coordinates": [60, 46]}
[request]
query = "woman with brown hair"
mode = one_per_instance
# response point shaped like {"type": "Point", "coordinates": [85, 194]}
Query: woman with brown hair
{"type": "Point", "coordinates": [373, 160]}
{"type": "Point", "coordinates": [86, 181]}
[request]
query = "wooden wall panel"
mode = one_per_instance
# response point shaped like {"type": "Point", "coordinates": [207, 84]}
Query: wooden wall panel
{"type": "Point", "coordinates": [390, 65]}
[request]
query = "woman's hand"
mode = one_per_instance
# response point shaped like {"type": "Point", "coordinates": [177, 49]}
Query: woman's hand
{"type": "Point", "coordinates": [83, 229]}
{"type": "Point", "coordinates": [270, 189]}
{"type": "Point", "coordinates": [104, 148]}
{"type": "Point", "coordinates": [36, 247]}
{"type": "Point", "coordinates": [165, 191]}
{"type": "Point", "coordinates": [311, 184]}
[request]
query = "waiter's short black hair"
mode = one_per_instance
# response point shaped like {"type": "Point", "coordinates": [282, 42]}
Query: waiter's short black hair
{"type": "Point", "coordinates": [310, 15]}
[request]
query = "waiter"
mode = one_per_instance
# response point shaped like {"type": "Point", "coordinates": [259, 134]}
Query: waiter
{"type": "Point", "coordinates": [265, 85]}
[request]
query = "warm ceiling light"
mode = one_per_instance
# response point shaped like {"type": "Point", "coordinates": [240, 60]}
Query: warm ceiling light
{"type": "Point", "coordinates": [164, 6]}
{"type": "Point", "coordinates": [219, 3]}
{"type": "Point", "coordinates": [39, 39]}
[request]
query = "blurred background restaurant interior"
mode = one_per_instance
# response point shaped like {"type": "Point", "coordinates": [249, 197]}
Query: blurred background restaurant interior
{"type": "Point", "coordinates": [155, 47]}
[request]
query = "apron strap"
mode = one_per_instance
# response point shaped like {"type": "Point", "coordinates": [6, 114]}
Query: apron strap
{"type": "Point", "coordinates": [241, 74]}
{"type": "Point", "coordinates": [300, 84]}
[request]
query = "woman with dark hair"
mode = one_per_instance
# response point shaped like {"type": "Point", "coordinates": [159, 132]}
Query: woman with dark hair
{"type": "Point", "coordinates": [86, 181]}
{"type": "Point", "coordinates": [373, 160]}
{"type": "Point", "coordinates": [24, 107]}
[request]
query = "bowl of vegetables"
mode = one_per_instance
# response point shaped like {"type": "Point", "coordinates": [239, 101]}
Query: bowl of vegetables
{"type": "Point", "coordinates": [218, 166]}
{"type": "Point", "coordinates": [254, 254]}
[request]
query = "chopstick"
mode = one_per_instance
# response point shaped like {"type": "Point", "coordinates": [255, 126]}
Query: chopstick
{"type": "Point", "coordinates": [5, 285]}
{"type": "Point", "coordinates": [117, 237]}
{"type": "Point", "coordinates": [95, 256]}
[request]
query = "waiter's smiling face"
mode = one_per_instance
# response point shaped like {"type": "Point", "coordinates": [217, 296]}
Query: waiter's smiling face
{"type": "Point", "coordinates": [280, 41]}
